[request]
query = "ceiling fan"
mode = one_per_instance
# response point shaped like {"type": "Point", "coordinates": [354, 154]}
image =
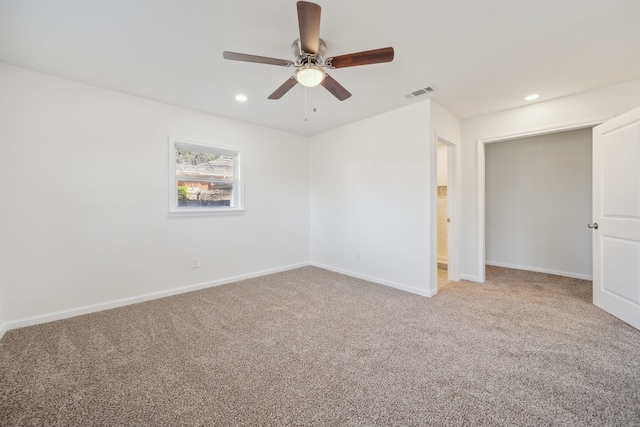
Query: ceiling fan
{"type": "Point", "coordinates": [309, 53]}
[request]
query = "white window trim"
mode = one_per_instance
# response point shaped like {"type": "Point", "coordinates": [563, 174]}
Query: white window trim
{"type": "Point", "coordinates": [237, 202]}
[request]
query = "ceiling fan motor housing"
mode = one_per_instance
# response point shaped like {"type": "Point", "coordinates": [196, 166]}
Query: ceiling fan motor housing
{"type": "Point", "coordinates": [302, 57]}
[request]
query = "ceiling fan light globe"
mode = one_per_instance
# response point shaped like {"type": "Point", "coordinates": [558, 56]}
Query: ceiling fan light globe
{"type": "Point", "coordinates": [309, 75]}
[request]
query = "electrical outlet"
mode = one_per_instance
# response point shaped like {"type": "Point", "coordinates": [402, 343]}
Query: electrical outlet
{"type": "Point", "coordinates": [195, 263]}
{"type": "Point", "coordinates": [358, 256]}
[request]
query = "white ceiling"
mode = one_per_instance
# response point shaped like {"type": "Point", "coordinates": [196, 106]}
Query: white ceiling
{"type": "Point", "coordinates": [479, 56]}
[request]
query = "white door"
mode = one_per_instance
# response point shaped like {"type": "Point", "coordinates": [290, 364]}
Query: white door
{"type": "Point", "coordinates": [616, 217]}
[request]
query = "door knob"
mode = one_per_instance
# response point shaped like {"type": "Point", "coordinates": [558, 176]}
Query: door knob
{"type": "Point", "coordinates": [594, 225]}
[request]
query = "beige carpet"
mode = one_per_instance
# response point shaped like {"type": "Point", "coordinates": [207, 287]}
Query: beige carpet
{"type": "Point", "coordinates": [311, 347]}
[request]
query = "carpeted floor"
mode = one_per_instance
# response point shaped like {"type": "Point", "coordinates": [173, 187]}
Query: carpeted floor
{"type": "Point", "coordinates": [312, 347]}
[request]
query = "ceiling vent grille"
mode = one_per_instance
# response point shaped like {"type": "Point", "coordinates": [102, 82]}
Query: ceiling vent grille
{"type": "Point", "coordinates": [419, 92]}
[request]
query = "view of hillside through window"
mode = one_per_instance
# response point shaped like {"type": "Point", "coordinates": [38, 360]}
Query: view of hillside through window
{"type": "Point", "coordinates": [203, 178]}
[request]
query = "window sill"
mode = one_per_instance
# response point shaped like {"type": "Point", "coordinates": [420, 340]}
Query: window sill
{"type": "Point", "coordinates": [181, 213]}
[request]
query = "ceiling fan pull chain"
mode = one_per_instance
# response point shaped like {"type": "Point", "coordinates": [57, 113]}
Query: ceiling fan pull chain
{"type": "Point", "coordinates": [305, 103]}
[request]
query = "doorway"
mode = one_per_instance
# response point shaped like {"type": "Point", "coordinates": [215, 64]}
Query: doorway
{"type": "Point", "coordinates": [482, 206]}
{"type": "Point", "coordinates": [443, 219]}
{"type": "Point", "coordinates": [445, 195]}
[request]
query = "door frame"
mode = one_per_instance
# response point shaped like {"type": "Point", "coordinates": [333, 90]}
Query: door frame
{"type": "Point", "coordinates": [481, 143]}
{"type": "Point", "coordinates": [453, 209]}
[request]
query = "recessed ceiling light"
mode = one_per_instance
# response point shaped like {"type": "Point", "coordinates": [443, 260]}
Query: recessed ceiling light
{"type": "Point", "coordinates": [531, 97]}
{"type": "Point", "coordinates": [241, 98]}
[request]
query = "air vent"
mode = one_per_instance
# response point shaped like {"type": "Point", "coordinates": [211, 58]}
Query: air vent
{"type": "Point", "coordinates": [419, 92]}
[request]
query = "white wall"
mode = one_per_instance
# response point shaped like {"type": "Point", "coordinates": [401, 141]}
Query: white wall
{"type": "Point", "coordinates": [538, 202]}
{"type": "Point", "coordinates": [84, 187]}
{"type": "Point", "coordinates": [589, 106]}
{"type": "Point", "coordinates": [370, 195]}
{"type": "Point", "coordinates": [373, 196]}
{"type": "Point", "coordinates": [444, 124]}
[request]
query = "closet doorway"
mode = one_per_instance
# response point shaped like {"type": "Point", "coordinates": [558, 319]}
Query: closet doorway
{"type": "Point", "coordinates": [537, 197]}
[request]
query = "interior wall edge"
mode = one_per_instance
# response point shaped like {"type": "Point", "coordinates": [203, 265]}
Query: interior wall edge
{"type": "Point", "coordinates": [65, 314]}
{"type": "Point", "coordinates": [399, 286]}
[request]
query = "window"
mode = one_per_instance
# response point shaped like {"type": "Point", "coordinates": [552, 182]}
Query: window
{"type": "Point", "coordinates": [203, 179]}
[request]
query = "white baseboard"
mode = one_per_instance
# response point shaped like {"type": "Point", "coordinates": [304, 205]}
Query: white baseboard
{"type": "Point", "coordinates": [3, 328]}
{"type": "Point", "coordinates": [65, 314]}
{"type": "Point", "coordinates": [411, 289]}
{"type": "Point", "coordinates": [470, 278]}
{"type": "Point", "coordinates": [540, 270]}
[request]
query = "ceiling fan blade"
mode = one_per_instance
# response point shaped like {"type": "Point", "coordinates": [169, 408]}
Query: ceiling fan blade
{"type": "Point", "coordinates": [335, 88]}
{"type": "Point", "coordinates": [286, 87]}
{"type": "Point", "coordinates": [254, 58]}
{"type": "Point", "coordinates": [367, 57]}
{"type": "Point", "coordinates": [309, 24]}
